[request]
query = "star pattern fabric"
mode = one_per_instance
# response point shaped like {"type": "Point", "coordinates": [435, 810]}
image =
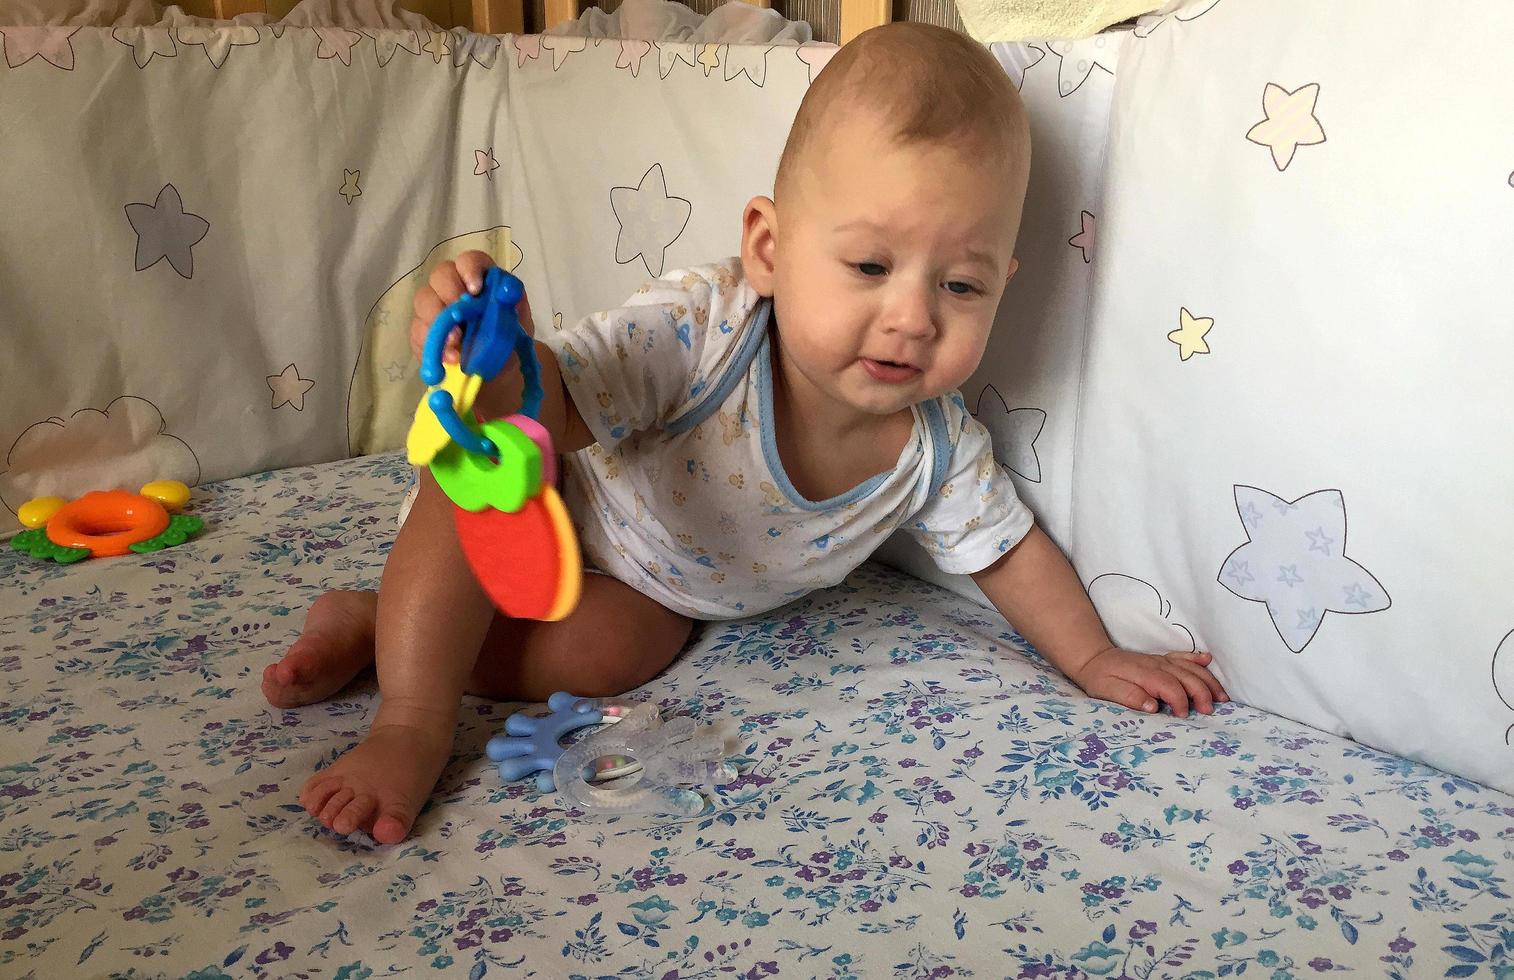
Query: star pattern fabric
{"type": "Point", "coordinates": [53, 45]}
{"type": "Point", "coordinates": [436, 45]}
{"type": "Point", "coordinates": [650, 220]}
{"type": "Point", "coordinates": [709, 58]}
{"type": "Point", "coordinates": [1078, 59]}
{"type": "Point", "coordinates": [1018, 58]}
{"type": "Point", "coordinates": [1191, 333]}
{"type": "Point", "coordinates": [1014, 433]}
{"type": "Point", "coordinates": [1285, 564]}
{"type": "Point", "coordinates": [482, 49]}
{"type": "Point", "coordinates": [166, 231]}
{"type": "Point", "coordinates": [814, 56]}
{"type": "Point", "coordinates": [669, 55]}
{"type": "Point", "coordinates": [484, 163]}
{"type": "Point", "coordinates": [528, 47]}
{"type": "Point", "coordinates": [1083, 240]}
{"type": "Point", "coordinates": [1184, 13]}
{"type": "Point", "coordinates": [1290, 123]}
{"type": "Point", "coordinates": [561, 47]}
{"type": "Point", "coordinates": [146, 43]}
{"type": "Point", "coordinates": [289, 388]}
{"type": "Point", "coordinates": [744, 59]}
{"type": "Point", "coordinates": [217, 41]}
{"type": "Point", "coordinates": [631, 54]}
{"type": "Point", "coordinates": [387, 43]}
{"type": "Point", "coordinates": [350, 187]}
{"type": "Point", "coordinates": [336, 42]}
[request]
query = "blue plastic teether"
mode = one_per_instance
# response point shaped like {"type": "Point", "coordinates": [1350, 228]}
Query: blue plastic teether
{"type": "Point", "coordinates": [532, 742]}
{"type": "Point", "coordinates": [491, 334]}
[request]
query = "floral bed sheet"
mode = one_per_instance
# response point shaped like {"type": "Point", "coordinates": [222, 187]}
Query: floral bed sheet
{"type": "Point", "coordinates": [922, 797]}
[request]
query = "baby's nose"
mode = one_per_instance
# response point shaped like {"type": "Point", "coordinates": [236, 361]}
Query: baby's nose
{"type": "Point", "coordinates": [911, 315]}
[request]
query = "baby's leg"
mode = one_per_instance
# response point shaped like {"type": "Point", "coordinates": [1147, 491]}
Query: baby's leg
{"type": "Point", "coordinates": [430, 620]}
{"type": "Point", "coordinates": [334, 647]}
{"type": "Point", "coordinates": [434, 640]}
{"type": "Point", "coordinates": [615, 641]}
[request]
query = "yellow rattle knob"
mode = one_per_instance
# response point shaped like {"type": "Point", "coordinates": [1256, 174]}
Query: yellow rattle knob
{"type": "Point", "coordinates": [37, 512]}
{"type": "Point", "coordinates": [427, 437]}
{"type": "Point", "coordinates": [172, 494]}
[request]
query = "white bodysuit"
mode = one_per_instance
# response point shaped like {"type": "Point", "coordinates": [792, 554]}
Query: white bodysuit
{"type": "Point", "coordinates": [684, 496]}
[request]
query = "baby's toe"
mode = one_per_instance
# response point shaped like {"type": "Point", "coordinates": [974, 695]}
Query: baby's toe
{"type": "Point", "coordinates": [355, 814]}
{"type": "Point", "coordinates": [335, 805]}
{"type": "Point", "coordinates": [299, 661]}
{"type": "Point", "coordinates": [319, 789]}
{"type": "Point", "coordinates": [393, 824]}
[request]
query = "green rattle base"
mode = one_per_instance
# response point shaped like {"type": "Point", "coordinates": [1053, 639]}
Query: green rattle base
{"type": "Point", "coordinates": [181, 527]}
{"type": "Point", "coordinates": [37, 544]}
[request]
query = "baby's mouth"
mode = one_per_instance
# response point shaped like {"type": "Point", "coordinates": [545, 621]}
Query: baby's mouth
{"type": "Point", "coordinates": [889, 372]}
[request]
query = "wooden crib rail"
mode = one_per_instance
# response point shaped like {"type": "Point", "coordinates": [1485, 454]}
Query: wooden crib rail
{"type": "Point", "coordinates": [859, 15]}
{"type": "Point", "coordinates": [856, 15]}
{"type": "Point", "coordinates": [483, 16]}
{"type": "Point", "coordinates": [509, 16]}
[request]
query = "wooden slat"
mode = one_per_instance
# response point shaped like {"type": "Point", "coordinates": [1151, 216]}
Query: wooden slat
{"type": "Point", "coordinates": [823, 16]}
{"type": "Point", "coordinates": [499, 17]}
{"type": "Point", "coordinates": [561, 11]}
{"type": "Point", "coordinates": [227, 9]}
{"type": "Point", "coordinates": [860, 15]}
{"type": "Point", "coordinates": [438, 12]}
{"type": "Point", "coordinates": [942, 13]}
{"type": "Point", "coordinates": [199, 8]}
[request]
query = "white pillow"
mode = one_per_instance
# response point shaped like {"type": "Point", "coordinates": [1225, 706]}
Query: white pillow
{"type": "Point", "coordinates": [1297, 399]}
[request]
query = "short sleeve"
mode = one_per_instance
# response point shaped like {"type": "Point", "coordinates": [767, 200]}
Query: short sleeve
{"type": "Point", "coordinates": [976, 516]}
{"type": "Point", "coordinates": [648, 363]}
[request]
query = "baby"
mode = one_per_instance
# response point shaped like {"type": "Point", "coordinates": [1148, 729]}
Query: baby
{"type": "Point", "coordinates": [742, 433]}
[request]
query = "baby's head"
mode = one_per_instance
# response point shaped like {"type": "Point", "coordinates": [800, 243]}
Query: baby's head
{"type": "Point", "coordinates": [891, 232]}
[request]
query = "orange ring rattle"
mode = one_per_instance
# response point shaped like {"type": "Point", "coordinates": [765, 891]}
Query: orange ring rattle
{"type": "Point", "coordinates": [106, 523]}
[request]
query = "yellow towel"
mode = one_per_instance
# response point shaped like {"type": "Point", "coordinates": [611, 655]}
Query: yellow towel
{"type": "Point", "coordinates": [1019, 20]}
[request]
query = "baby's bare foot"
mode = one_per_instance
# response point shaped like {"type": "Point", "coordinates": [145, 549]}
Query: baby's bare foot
{"type": "Point", "coordinates": [381, 784]}
{"type": "Point", "coordinates": [337, 643]}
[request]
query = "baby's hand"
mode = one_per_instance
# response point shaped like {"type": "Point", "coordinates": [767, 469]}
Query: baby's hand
{"type": "Point", "coordinates": [1139, 680]}
{"type": "Point", "coordinates": [448, 280]}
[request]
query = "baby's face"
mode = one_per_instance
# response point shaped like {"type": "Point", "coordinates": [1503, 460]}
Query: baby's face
{"type": "Point", "coordinates": [889, 265]}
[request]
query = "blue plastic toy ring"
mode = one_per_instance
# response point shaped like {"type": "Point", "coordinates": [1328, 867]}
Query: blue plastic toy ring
{"type": "Point", "coordinates": [491, 334]}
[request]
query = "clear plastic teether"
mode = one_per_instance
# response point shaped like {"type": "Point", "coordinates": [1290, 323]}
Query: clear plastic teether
{"type": "Point", "coordinates": [677, 759]}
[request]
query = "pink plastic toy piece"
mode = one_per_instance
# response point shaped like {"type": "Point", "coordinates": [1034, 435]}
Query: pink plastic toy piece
{"type": "Point", "coordinates": [538, 434]}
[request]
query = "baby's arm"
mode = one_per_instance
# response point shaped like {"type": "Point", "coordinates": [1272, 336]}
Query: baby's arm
{"type": "Point", "coordinates": [1036, 589]}
{"type": "Point", "coordinates": [502, 395]}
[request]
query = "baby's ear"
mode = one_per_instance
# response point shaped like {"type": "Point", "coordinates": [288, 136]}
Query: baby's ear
{"type": "Point", "coordinates": [759, 243]}
{"type": "Point", "coordinates": [1014, 266]}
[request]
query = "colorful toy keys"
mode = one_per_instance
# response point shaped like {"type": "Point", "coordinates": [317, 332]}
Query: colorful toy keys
{"type": "Point", "coordinates": [499, 474]}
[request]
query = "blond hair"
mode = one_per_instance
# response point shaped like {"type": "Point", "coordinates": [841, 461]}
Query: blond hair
{"type": "Point", "coordinates": [927, 84]}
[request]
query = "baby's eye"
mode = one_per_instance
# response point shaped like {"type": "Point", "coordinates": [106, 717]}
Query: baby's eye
{"type": "Point", "coordinates": [870, 269]}
{"type": "Point", "coordinates": [961, 288]}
